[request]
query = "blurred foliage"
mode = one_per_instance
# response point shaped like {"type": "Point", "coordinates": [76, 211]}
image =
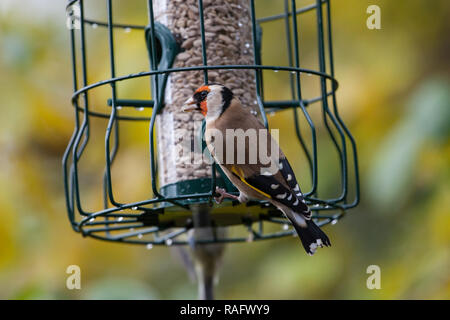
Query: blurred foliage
{"type": "Point", "coordinates": [394, 95]}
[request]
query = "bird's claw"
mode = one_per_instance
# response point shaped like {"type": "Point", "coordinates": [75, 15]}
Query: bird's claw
{"type": "Point", "coordinates": [221, 192]}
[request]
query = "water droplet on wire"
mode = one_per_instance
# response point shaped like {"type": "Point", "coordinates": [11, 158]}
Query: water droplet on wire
{"type": "Point", "coordinates": [169, 242]}
{"type": "Point", "coordinates": [127, 30]}
{"type": "Point", "coordinates": [140, 236]}
{"type": "Point", "coordinates": [94, 26]}
{"type": "Point", "coordinates": [149, 246]}
{"type": "Point", "coordinates": [285, 226]}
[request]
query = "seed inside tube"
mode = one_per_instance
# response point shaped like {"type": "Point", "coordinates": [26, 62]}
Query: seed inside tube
{"type": "Point", "coordinates": [232, 45]}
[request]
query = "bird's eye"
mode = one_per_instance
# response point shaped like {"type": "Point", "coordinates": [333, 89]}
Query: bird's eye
{"type": "Point", "coordinates": [203, 94]}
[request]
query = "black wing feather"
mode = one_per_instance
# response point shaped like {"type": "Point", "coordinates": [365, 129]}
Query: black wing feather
{"type": "Point", "coordinates": [291, 180]}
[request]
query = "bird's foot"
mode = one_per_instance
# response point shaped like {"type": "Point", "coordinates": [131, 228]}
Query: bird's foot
{"type": "Point", "coordinates": [223, 195]}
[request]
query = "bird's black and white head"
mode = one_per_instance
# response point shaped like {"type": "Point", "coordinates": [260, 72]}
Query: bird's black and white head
{"type": "Point", "coordinates": [211, 100]}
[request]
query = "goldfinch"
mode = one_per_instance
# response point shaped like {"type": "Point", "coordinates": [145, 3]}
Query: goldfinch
{"type": "Point", "coordinates": [227, 121]}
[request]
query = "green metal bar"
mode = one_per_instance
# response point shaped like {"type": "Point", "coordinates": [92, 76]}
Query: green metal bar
{"type": "Point", "coordinates": [133, 103]}
{"type": "Point", "coordinates": [257, 62]}
{"type": "Point", "coordinates": [108, 229]}
{"type": "Point", "coordinates": [134, 233]}
{"type": "Point", "coordinates": [116, 25]}
{"type": "Point", "coordinates": [202, 35]}
{"type": "Point", "coordinates": [142, 27]}
{"type": "Point", "coordinates": [339, 119]}
{"type": "Point", "coordinates": [299, 97]}
{"type": "Point", "coordinates": [84, 130]}
{"type": "Point", "coordinates": [67, 180]}
{"type": "Point", "coordinates": [325, 110]}
{"type": "Point", "coordinates": [206, 80]}
{"type": "Point", "coordinates": [287, 28]}
{"type": "Point", "coordinates": [275, 235]}
{"type": "Point", "coordinates": [284, 15]}
{"type": "Point", "coordinates": [291, 81]}
{"type": "Point", "coordinates": [195, 68]}
{"type": "Point", "coordinates": [109, 156]}
{"type": "Point", "coordinates": [115, 222]}
{"type": "Point", "coordinates": [106, 116]}
{"type": "Point", "coordinates": [171, 235]}
{"type": "Point", "coordinates": [155, 98]}
{"type": "Point", "coordinates": [108, 195]}
{"type": "Point", "coordinates": [158, 104]}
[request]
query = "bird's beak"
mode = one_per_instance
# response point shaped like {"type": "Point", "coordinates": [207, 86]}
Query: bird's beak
{"type": "Point", "coordinates": [189, 105]}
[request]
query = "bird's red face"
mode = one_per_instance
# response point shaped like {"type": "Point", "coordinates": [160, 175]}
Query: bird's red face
{"type": "Point", "coordinates": [198, 101]}
{"type": "Point", "coordinates": [211, 100]}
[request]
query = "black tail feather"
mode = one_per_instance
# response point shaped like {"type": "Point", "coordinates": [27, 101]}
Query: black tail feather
{"type": "Point", "coordinates": [310, 236]}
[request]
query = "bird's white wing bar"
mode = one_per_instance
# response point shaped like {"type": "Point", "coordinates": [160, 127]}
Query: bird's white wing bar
{"type": "Point", "coordinates": [289, 176]}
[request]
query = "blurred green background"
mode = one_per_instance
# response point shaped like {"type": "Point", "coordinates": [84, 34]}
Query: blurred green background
{"type": "Point", "coordinates": [394, 95]}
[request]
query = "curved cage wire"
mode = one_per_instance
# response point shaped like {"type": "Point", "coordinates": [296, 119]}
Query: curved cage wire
{"type": "Point", "coordinates": [165, 217]}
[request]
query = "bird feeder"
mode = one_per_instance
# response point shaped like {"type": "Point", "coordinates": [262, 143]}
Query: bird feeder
{"type": "Point", "coordinates": [189, 43]}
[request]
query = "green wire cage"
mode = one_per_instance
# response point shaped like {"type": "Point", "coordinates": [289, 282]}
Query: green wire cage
{"type": "Point", "coordinates": [180, 38]}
